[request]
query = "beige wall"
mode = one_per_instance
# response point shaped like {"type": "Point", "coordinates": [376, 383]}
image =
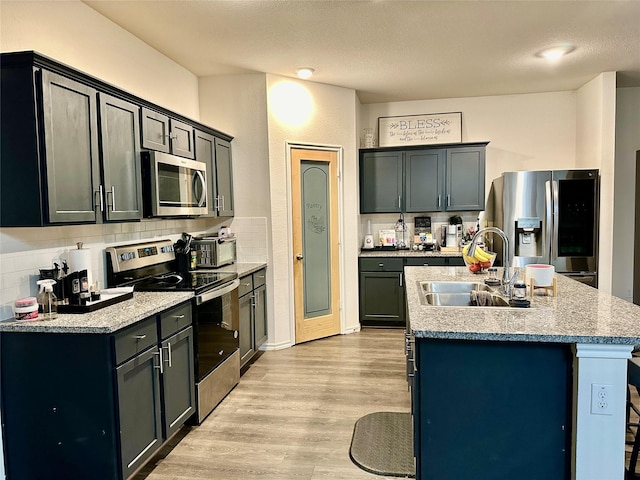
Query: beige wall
{"type": "Point", "coordinates": [249, 108]}
{"type": "Point", "coordinates": [627, 143]}
{"type": "Point", "coordinates": [237, 105]}
{"type": "Point", "coordinates": [330, 121]}
{"type": "Point", "coordinates": [595, 148]}
{"type": "Point", "coordinates": [526, 132]}
{"type": "Point", "coordinates": [75, 34]}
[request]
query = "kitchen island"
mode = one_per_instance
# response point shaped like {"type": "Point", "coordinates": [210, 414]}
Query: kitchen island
{"type": "Point", "coordinates": [514, 386]}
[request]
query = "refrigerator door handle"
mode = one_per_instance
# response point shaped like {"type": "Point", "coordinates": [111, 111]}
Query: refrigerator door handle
{"type": "Point", "coordinates": [548, 208]}
{"type": "Point", "coordinates": [556, 221]}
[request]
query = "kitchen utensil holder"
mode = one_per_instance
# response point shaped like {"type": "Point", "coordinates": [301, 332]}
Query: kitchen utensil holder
{"type": "Point", "coordinates": [553, 288]}
{"type": "Point", "coordinates": [183, 261]}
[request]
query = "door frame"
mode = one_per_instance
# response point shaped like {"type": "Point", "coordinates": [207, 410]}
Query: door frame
{"type": "Point", "coordinates": [340, 153]}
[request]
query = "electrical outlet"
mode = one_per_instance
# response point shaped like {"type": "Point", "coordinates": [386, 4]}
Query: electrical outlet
{"type": "Point", "coordinates": [601, 399]}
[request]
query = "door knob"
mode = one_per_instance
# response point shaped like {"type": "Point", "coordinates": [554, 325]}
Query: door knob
{"type": "Point", "coordinates": [299, 256]}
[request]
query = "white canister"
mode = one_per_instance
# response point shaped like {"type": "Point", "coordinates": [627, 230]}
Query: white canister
{"type": "Point", "coordinates": [541, 274]}
{"type": "Point", "coordinates": [26, 309]}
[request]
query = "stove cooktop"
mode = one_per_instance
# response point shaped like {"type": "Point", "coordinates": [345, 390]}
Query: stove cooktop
{"type": "Point", "coordinates": [197, 281]}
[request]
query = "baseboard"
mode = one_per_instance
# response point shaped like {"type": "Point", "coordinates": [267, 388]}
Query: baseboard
{"type": "Point", "coordinates": [276, 346]}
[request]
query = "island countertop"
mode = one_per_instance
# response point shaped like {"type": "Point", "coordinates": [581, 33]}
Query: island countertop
{"type": "Point", "coordinates": [578, 314]}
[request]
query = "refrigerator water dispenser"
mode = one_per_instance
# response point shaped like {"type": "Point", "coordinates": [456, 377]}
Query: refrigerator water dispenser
{"type": "Point", "coordinates": [528, 237]}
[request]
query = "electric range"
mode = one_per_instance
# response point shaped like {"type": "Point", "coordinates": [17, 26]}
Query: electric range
{"type": "Point", "coordinates": [152, 267]}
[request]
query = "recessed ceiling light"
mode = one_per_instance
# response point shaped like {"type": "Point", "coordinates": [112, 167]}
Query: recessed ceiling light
{"type": "Point", "coordinates": [556, 52]}
{"type": "Point", "coordinates": [305, 72]}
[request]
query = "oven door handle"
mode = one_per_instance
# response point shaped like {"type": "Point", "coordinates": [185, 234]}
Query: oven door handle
{"type": "Point", "coordinates": [217, 292]}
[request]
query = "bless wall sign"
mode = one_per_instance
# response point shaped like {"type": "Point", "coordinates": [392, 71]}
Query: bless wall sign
{"type": "Point", "coordinates": [420, 129]}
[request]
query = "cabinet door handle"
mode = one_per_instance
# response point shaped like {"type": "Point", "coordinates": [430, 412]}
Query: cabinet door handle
{"type": "Point", "coordinates": [159, 366]}
{"type": "Point", "coordinates": [247, 284]}
{"type": "Point", "coordinates": [113, 198]}
{"type": "Point", "coordinates": [381, 265]}
{"type": "Point", "coordinates": [168, 359]}
{"type": "Point", "coordinates": [140, 337]}
{"type": "Point", "coordinates": [100, 201]}
{"type": "Point", "coordinates": [256, 299]}
{"type": "Point", "coordinates": [400, 280]}
{"type": "Point", "coordinates": [222, 197]}
{"type": "Point", "coordinates": [439, 201]}
{"type": "Point", "coordinates": [448, 200]}
{"type": "Point", "coordinates": [398, 201]}
{"type": "Point", "coordinates": [178, 317]}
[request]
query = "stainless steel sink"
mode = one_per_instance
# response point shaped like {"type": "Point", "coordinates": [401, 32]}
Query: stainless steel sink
{"type": "Point", "coordinates": [460, 300]}
{"type": "Point", "coordinates": [455, 287]}
{"type": "Point", "coordinates": [459, 294]}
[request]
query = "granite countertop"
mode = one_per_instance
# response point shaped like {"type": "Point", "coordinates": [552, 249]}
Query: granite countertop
{"type": "Point", "coordinates": [242, 269]}
{"type": "Point", "coordinates": [408, 253]}
{"type": "Point", "coordinates": [120, 315]}
{"type": "Point", "coordinates": [578, 314]}
{"type": "Point", "coordinates": [105, 320]}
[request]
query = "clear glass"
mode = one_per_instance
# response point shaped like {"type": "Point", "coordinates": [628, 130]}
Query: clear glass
{"type": "Point", "coordinates": [367, 138]}
{"type": "Point", "coordinates": [492, 274]}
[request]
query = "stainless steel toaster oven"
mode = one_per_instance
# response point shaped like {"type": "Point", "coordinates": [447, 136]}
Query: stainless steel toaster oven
{"type": "Point", "coordinates": [214, 252]}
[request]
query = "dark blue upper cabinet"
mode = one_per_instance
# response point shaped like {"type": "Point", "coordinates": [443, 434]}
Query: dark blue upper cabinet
{"type": "Point", "coordinates": [439, 178]}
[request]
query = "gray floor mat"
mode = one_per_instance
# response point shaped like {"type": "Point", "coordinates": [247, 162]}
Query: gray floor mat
{"type": "Point", "coordinates": [382, 443]}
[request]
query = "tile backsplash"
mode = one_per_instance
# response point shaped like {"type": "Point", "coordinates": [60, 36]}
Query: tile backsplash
{"type": "Point", "coordinates": [23, 251]}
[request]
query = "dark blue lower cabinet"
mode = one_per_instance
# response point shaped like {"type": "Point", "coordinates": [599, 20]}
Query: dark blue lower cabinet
{"type": "Point", "coordinates": [178, 386]}
{"type": "Point", "coordinates": [139, 410]}
{"type": "Point", "coordinates": [58, 407]}
{"type": "Point", "coordinates": [492, 410]}
{"type": "Point", "coordinates": [94, 406]}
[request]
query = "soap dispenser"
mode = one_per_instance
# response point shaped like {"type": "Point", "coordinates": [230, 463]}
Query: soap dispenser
{"type": "Point", "coordinates": [47, 301]}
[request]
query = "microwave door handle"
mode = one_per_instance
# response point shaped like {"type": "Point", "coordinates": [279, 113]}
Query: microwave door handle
{"type": "Point", "coordinates": [203, 196]}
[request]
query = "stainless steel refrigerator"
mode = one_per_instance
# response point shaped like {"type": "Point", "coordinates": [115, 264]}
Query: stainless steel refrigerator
{"type": "Point", "coordinates": [549, 217]}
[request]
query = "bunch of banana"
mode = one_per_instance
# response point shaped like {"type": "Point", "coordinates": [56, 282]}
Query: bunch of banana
{"type": "Point", "coordinates": [479, 255]}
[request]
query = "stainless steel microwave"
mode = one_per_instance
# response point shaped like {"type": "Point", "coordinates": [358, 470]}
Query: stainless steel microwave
{"type": "Point", "coordinates": [173, 186]}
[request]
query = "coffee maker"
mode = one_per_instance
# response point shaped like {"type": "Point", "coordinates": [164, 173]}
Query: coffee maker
{"type": "Point", "coordinates": [58, 274]}
{"type": "Point", "coordinates": [454, 235]}
{"type": "Point", "coordinates": [423, 239]}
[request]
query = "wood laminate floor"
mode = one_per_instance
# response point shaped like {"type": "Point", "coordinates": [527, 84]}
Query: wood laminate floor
{"type": "Point", "coordinates": [293, 413]}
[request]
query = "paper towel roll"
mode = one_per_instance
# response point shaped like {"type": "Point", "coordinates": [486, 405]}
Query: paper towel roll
{"type": "Point", "coordinates": [80, 259]}
{"type": "Point", "coordinates": [542, 274]}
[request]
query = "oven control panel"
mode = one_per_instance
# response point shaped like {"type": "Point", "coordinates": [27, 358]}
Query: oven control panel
{"type": "Point", "coordinates": [131, 257]}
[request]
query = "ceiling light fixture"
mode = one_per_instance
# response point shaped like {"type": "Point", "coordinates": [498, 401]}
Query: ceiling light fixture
{"type": "Point", "coordinates": [305, 72]}
{"type": "Point", "coordinates": [556, 52]}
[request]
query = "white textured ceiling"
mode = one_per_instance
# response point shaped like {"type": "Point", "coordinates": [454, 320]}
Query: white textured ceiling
{"type": "Point", "coordinates": [393, 50]}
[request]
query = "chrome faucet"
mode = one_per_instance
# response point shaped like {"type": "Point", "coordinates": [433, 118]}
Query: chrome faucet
{"type": "Point", "coordinates": [506, 278]}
